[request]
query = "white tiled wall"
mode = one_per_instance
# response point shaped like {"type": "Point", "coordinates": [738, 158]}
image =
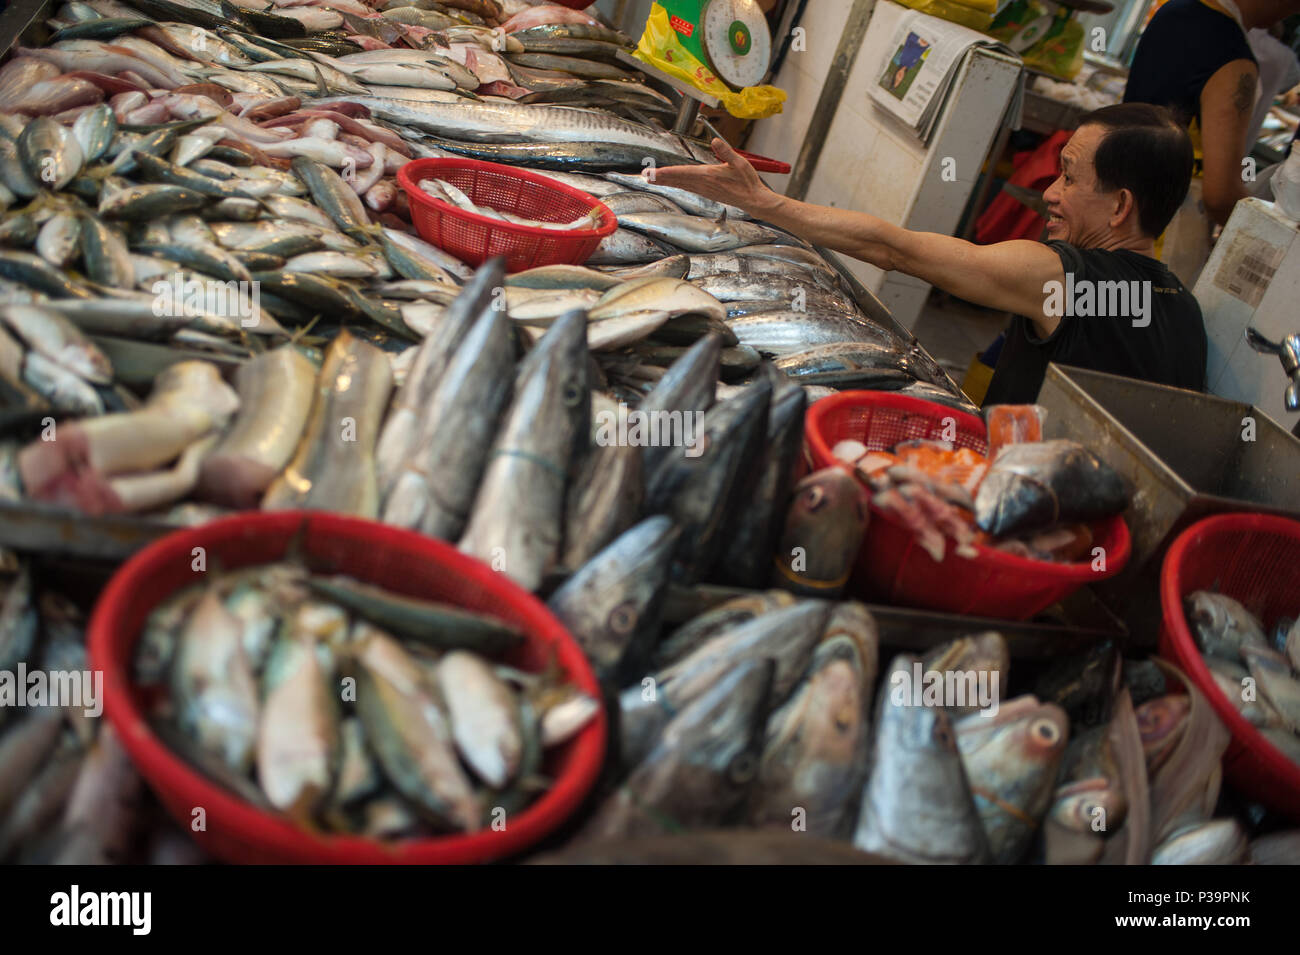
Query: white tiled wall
{"type": "Point", "coordinates": [871, 161]}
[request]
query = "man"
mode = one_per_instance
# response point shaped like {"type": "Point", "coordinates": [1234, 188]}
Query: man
{"type": "Point", "coordinates": [1092, 296]}
{"type": "Point", "coordinates": [1195, 58]}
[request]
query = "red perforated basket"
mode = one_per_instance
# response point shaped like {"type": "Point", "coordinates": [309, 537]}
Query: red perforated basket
{"type": "Point", "coordinates": [474, 239]}
{"type": "Point", "coordinates": [399, 560]}
{"type": "Point", "coordinates": [893, 568]}
{"type": "Point", "coordinates": [1255, 559]}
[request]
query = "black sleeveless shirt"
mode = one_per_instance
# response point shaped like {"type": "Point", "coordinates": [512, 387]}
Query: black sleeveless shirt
{"type": "Point", "coordinates": [1122, 313]}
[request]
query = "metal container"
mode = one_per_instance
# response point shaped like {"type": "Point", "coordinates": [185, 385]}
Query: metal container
{"type": "Point", "coordinates": [1187, 455]}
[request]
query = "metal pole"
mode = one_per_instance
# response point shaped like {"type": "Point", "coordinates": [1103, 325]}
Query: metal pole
{"type": "Point", "coordinates": [686, 114]}
{"type": "Point", "coordinates": [832, 89]}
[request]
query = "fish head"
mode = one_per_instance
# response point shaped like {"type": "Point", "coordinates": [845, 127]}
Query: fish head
{"type": "Point", "coordinates": [1090, 803]}
{"type": "Point", "coordinates": [709, 753]}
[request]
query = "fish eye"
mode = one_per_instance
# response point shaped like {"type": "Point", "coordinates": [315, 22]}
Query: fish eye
{"type": "Point", "coordinates": [622, 619]}
{"type": "Point", "coordinates": [942, 735]}
{"type": "Point", "coordinates": [1045, 731]}
{"type": "Point", "coordinates": [572, 393]}
{"type": "Point", "coordinates": [816, 497]}
{"type": "Point", "coordinates": [742, 768]}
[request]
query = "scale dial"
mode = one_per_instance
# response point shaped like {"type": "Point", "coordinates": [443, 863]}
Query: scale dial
{"type": "Point", "coordinates": [737, 41]}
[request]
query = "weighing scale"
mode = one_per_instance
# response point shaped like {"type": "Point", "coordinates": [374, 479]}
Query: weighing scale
{"type": "Point", "coordinates": [730, 36]}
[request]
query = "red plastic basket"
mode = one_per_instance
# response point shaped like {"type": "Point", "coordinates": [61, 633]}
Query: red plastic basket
{"type": "Point", "coordinates": [474, 239]}
{"type": "Point", "coordinates": [1255, 559]}
{"type": "Point", "coordinates": [400, 560]}
{"type": "Point", "coordinates": [893, 568]}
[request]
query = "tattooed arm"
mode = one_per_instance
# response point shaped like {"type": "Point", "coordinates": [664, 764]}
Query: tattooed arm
{"type": "Point", "coordinates": [1227, 102]}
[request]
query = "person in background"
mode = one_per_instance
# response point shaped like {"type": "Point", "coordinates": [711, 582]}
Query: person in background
{"type": "Point", "coordinates": [1124, 172]}
{"type": "Point", "coordinates": [1194, 58]}
{"type": "Point", "coordinates": [1279, 71]}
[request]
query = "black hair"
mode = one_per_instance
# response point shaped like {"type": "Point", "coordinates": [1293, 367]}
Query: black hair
{"type": "Point", "coordinates": [1146, 152]}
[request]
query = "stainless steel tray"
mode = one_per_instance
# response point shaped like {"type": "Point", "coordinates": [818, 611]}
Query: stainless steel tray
{"type": "Point", "coordinates": [1185, 456]}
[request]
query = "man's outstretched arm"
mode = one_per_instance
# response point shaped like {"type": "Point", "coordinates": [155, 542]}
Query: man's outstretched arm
{"type": "Point", "coordinates": [1005, 275]}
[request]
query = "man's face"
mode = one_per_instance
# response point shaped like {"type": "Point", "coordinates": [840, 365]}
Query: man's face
{"type": "Point", "coordinates": [1078, 212]}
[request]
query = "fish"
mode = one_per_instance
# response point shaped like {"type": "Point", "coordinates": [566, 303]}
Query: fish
{"type": "Point", "coordinates": [729, 613]}
{"type": "Point", "coordinates": [1218, 842]}
{"type": "Point", "coordinates": [1031, 486]}
{"type": "Point", "coordinates": [505, 122]}
{"type": "Point", "coordinates": [334, 467]}
{"type": "Point", "coordinates": [695, 233]}
{"type": "Point", "coordinates": [1011, 761]}
{"type": "Point", "coordinates": [789, 332]}
{"type": "Point", "coordinates": [1223, 628]}
{"type": "Point", "coordinates": [916, 805]}
{"type": "Point", "coordinates": [64, 389]}
{"type": "Point", "coordinates": [1233, 680]}
{"type": "Point", "coordinates": [689, 202]}
{"type": "Point", "coordinates": [863, 365]}
{"type": "Point", "coordinates": [298, 742]}
{"type": "Point", "coordinates": [1292, 645]}
{"type": "Point", "coordinates": [275, 398]}
{"type": "Point", "coordinates": [435, 490]}
{"type": "Point", "coordinates": [102, 813]}
{"type": "Point", "coordinates": [1161, 723]}
{"type": "Point", "coordinates": [48, 332]}
{"type": "Point", "coordinates": [410, 736]}
{"type": "Point", "coordinates": [58, 241]}
{"type": "Point", "coordinates": [625, 247]}
{"type": "Point", "coordinates": [331, 193]}
{"type": "Point", "coordinates": [24, 747]}
{"type": "Point", "coordinates": [755, 524]}
{"type": "Point", "coordinates": [984, 656]}
{"type": "Point", "coordinates": [213, 685]}
{"type": "Point", "coordinates": [621, 203]}
{"type": "Point", "coordinates": [815, 754]}
{"type": "Point", "coordinates": [561, 277]}
{"type": "Point", "coordinates": [787, 636]}
{"type": "Point", "coordinates": [696, 489]}
{"type": "Point", "coordinates": [431, 623]}
{"type": "Point", "coordinates": [1276, 683]}
{"type": "Point", "coordinates": [823, 530]}
{"type": "Point", "coordinates": [703, 766]}
{"type": "Point", "coordinates": [50, 153]}
{"type": "Point", "coordinates": [484, 717]}
{"type": "Point", "coordinates": [404, 418]}
{"type": "Point", "coordinates": [687, 388]}
{"type": "Point", "coordinates": [516, 522]}
{"type": "Point", "coordinates": [605, 498]}
{"type": "Point", "coordinates": [613, 604]}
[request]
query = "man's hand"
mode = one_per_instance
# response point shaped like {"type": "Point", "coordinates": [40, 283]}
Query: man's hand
{"type": "Point", "coordinates": [734, 181]}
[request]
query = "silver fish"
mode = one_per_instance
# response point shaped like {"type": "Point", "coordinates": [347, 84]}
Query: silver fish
{"type": "Point", "coordinates": [516, 522]}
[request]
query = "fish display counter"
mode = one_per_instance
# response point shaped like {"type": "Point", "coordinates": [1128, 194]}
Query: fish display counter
{"type": "Point", "coordinates": [215, 300]}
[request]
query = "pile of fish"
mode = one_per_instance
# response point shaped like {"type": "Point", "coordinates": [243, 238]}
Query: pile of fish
{"type": "Point", "coordinates": [1257, 671]}
{"type": "Point", "coordinates": [766, 712]}
{"type": "Point", "coordinates": [68, 791]}
{"type": "Point", "coordinates": [194, 206]}
{"type": "Point", "coordinates": [434, 736]}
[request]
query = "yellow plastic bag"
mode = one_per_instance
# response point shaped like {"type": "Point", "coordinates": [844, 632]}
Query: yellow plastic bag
{"type": "Point", "coordinates": [660, 48]}
{"type": "Point", "coordinates": [976, 14]}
